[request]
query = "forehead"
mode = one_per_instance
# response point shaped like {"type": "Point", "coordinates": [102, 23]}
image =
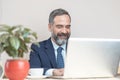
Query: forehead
{"type": "Point", "coordinates": [62, 18]}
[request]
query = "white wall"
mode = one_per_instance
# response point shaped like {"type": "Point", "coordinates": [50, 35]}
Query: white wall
{"type": "Point", "coordinates": [90, 18]}
{"type": "Point", "coordinates": [0, 10]}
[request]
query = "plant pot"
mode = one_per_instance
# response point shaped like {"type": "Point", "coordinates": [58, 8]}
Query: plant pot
{"type": "Point", "coordinates": [16, 69]}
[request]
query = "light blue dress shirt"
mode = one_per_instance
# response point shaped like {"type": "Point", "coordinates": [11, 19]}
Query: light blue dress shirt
{"type": "Point", "coordinates": [49, 72]}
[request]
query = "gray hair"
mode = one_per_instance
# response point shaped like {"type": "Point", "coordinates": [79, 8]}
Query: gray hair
{"type": "Point", "coordinates": [57, 12]}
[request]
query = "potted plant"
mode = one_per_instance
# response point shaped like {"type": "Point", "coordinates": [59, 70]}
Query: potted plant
{"type": "Point", "coordinates": [15, 40]}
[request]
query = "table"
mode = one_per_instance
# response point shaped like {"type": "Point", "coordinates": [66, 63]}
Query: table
{"type": "Point", "coordinates": [115, 78]}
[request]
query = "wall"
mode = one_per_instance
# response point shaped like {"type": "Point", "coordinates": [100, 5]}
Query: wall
{"type": "Point", "coordinates": [0, 10]}
{"type": "Point", "coordinates": [90, 18]}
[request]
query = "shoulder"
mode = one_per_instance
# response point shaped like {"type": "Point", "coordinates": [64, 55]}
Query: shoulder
{"type": "Point", "coordinates": [45, 42]}
{"type": "Point", "coordinates": [42, 43]}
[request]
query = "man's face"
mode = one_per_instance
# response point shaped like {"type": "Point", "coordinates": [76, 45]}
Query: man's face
{"type": "Point", "coordinates": [60, 29]}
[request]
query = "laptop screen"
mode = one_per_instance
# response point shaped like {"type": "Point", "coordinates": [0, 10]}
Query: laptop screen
{"type": "Point", "coordinates": [92, 57]}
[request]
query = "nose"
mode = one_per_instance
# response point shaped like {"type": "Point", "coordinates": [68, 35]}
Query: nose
{"type": "Point", "coordinates": [64, 30]}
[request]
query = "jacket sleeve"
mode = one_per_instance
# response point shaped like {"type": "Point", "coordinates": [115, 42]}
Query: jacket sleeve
{"type": "Point", "coordinates": [35, 60]}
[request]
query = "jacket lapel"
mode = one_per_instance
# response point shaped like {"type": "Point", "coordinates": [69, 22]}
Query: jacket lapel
{"type": "Point", "coordinates": [50, 53]}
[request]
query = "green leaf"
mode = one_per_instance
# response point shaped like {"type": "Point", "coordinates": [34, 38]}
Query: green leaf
{"type": "Point", "coordinates": [26, 32]}
{"type": "Point", "coordinates": [1, 48]}
{"type": "Point", "coordinates": [4, 37]}
{"type": "Point", "coordinates": [15, 39]}
{"type": "Point", "coordinates": [4, 28]}
{"type": "Point", "coordinates": [34, 34]}
{"type": "Point", "coordinates": [11, 52]}
{"type": "Point", "coordinates": [37, 44]}
{"type": "Point", "coordinates": [15, 43]}
{"type": "Point", "coordinates": [23, 46]}
{"type": "Point", "coordinates": [27, 40]}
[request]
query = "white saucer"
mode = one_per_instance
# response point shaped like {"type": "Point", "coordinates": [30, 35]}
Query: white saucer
{"type": "Point", "coordinates": [36, 77]}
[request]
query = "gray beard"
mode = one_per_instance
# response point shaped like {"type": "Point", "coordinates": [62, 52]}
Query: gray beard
{"type": "Point", "coordinates": [61, 42]}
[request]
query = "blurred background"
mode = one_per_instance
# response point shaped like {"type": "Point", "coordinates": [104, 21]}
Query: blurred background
{"type": "Point", "coordinates": [90, 18]}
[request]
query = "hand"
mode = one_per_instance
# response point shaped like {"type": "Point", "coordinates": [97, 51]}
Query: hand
{"type": "Point", "coordinates": [58, 72]}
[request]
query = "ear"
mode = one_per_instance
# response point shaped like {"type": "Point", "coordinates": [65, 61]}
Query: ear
{"type": "Point", "coordinates": [50, 27]}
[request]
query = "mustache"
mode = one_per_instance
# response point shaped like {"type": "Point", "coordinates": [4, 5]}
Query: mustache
{"type": "Point", "coordinates": [63, 34]}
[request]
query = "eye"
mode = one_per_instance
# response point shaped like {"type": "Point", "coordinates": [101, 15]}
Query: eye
{"type": "Point", "coordinates": [59, 26]}
{"type": "Point", "coordinates": [68, 26]}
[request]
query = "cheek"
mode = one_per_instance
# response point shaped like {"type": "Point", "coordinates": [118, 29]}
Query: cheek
{"type": "Point", "coordinates": [68, 31]}
{"type": "Point", "coordinates": [55, 31]}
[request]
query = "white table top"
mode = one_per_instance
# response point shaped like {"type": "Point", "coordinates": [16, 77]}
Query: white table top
{"type": "Point", "coordinates": [115, 78]}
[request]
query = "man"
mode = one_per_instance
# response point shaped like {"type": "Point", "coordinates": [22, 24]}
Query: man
{"type": "Point", "coordinates": [46, 56]}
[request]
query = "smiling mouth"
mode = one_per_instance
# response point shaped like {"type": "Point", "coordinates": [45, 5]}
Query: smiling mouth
{"type": "Point", "coordinates": [62, 37]}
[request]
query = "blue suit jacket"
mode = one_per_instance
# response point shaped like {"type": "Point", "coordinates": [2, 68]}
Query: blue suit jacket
{"type": "Point", "coordinates": [43, 56]}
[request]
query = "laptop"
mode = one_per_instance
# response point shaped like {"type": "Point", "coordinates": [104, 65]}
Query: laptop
{"type": "Point", "coordinates": [92, 58]}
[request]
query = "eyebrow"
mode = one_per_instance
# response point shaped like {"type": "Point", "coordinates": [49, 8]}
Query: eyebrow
{"type": "Point", "coordinates": [62, 25]}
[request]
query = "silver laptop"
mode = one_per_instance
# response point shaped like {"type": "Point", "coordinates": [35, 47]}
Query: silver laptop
{"type": "Point", "coordinates": [92, 58]}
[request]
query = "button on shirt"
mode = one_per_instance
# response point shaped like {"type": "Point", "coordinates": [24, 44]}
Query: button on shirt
{"type": "Point", "coordinates": [55, 46]}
